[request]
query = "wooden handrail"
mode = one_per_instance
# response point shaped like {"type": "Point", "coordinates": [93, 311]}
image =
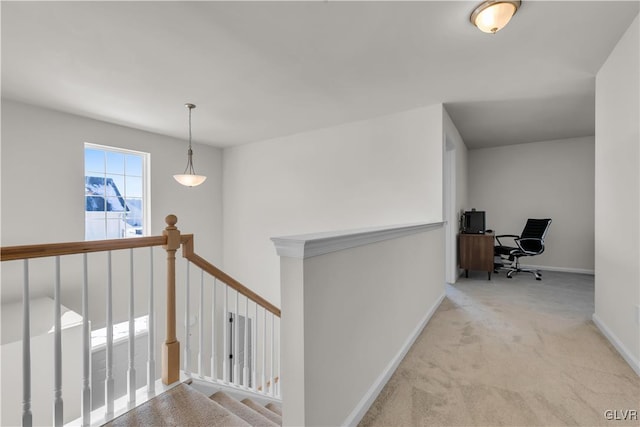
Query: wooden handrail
{"type": "Point", "coordinates": [171, 239]}
{"type": "Point", "coordinates": [188, 253]}
{"type": "Point", "coordinates": [11, 253]}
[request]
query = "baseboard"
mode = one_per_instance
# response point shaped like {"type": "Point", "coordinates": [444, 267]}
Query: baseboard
{"type": "Point", "coordinates": [622, 349]}
{"type": "Point", "coordinates": [559, 269]}
{"type": "Point", "coordinates": [370, 396]}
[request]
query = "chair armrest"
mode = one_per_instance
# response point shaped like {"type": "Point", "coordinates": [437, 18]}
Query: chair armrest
{"type": "Point", "coordinates": [530, 239]}
{"type": "Point", "coordinates": [513, 236]}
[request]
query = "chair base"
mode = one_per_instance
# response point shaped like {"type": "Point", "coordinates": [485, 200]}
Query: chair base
{"type": "Point", "coordinates": [513, 271]}
{"type": "Point", "coordinates": [514, 268]}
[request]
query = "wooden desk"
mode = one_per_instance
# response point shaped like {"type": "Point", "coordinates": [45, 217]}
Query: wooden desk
{"type": "Point", "coordinates": [475, 252]}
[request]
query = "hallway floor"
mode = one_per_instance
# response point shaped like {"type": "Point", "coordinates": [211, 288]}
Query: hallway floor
{"type": "Point", "coordinates": [511, 352]}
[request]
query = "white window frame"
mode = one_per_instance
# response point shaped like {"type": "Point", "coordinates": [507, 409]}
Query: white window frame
{"type": "Point", "coordinates": [146, 181]}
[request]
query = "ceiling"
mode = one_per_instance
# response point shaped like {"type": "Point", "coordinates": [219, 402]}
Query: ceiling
{"type": "Point", "coordinates": [258, 70]}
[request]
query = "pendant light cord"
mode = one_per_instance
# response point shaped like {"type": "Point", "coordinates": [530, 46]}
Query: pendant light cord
{"type": "Point", "coordinates": [190, 169]}
{"type": "Point", "coordinates": [190, 108]}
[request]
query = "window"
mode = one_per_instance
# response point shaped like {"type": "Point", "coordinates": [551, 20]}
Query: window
{"type": "Point", "coordinates": [115, 192]}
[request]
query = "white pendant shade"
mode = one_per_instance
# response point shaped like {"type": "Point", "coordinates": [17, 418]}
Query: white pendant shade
{"type": "Point", "coordinates": [189, 180]}
{"type": "Point", "coordinates": [492, 16]}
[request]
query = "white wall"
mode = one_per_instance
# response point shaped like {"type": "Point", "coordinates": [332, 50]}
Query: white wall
{"type": "Point", "coordinates": [549, 179]}
{"type": "Point", "coordinates": [456, 154]}
{"type": "Point", "coordinates": [381, 171]}
{"type": "Point", "coordinates": [617, 257]}
{"type": "Point", "coordinates": [43, 197]}
{"type": "Point", "coordinates": [349, 317]}
{"type": "Point", "coordinates": [462, 154]}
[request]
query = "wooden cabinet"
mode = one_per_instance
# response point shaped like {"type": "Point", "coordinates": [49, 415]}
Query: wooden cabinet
{"type": "Point", "coordinates": [475, 252]}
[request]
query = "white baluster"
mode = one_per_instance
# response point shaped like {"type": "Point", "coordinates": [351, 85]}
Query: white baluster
{"type": "Point", "coordinates": [151, 363]}
{"type": "Point", "coordinates": [108, 383]}
{"type": "Point", "coordinates": [236, 347]}
{"type": "Point", "coordinates": [187, 314]}
{"type": "Point", "coordinates": [201, 331]}
{"type": "Point", "coordinates": [279, 372]}
{"type": "Point", "coordinates": [131, 371]}
{"type": "Point", "coordinates": [245, 364]}
{"type": "Point", "coordinates": [214, 367]}
{"type": "Point", "coordinates": [86, 348]}
{"type": "Point", "coordinates": [27, 417]}
{"type": "Point", "coordinates": [57, 346]}
{"type": "Point", "coordinates": [225, 334]}
{"type": "Point", "coordinates": [273, 377]}
{"type": "Point", "coordinates": [254, 348]}
{"type": "Point", "coordinates": [264, 350]}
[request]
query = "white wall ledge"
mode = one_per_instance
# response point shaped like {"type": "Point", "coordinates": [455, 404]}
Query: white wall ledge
{"type": "Point", "coordinates": [309, 245]}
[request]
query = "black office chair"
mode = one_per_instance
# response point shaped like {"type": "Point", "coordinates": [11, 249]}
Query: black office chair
{"type": "Point", "coordinates": [529, 243]}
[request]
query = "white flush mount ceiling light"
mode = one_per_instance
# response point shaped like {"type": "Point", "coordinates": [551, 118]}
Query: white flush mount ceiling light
{"type": "Point", "coordinates": [189, 178]}
{"type": "Point", "coordinates": [493, 15]}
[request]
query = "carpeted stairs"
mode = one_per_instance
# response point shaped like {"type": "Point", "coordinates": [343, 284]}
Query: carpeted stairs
{"type": "Point", "coordinates": [185, 406]}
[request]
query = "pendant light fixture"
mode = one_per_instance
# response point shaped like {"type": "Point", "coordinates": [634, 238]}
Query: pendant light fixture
{"type": "Point", "coordinates": [493, 15]}
{"type": "Point", "coordinates": [189, 178]}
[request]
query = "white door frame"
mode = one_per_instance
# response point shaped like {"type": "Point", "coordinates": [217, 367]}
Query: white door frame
{"type": "Point", "coordinates": [450, 214]}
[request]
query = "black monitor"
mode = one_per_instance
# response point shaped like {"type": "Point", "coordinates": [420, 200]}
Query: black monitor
{"type": "Point", "coordinates": [473, 222]}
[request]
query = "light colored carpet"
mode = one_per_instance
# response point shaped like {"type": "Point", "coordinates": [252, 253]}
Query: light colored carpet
{"type": "Point", "coordinates": [274, 407]}
{"type": "Point", "coordinates": [263, 411]}
{"type": "Point", "coordinates": [180, 406]}
{"type": "Point", "coordinates": [241, 410]}
{"type": "Point", "coordinates": [510, 352]}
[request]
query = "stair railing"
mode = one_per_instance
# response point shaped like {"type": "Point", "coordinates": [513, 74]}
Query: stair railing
{"type": "Point", "coordinates": [171, 240]}
{"type": "Point", "coordinates": [250, 330]}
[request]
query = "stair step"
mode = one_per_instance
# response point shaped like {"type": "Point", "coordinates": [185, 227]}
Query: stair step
{"type": "Point", "coordinates": [264, 411]}
{"type": "Point", "coordinates": [241, 410]}
{"type": "Point", "coordinates": [274, 407]}
{"type": "Point", "coordinates": [182, 405]}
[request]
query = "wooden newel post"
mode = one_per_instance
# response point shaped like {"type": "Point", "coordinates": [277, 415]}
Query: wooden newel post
{"type": "Point", "coordinates": [171, 347]}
